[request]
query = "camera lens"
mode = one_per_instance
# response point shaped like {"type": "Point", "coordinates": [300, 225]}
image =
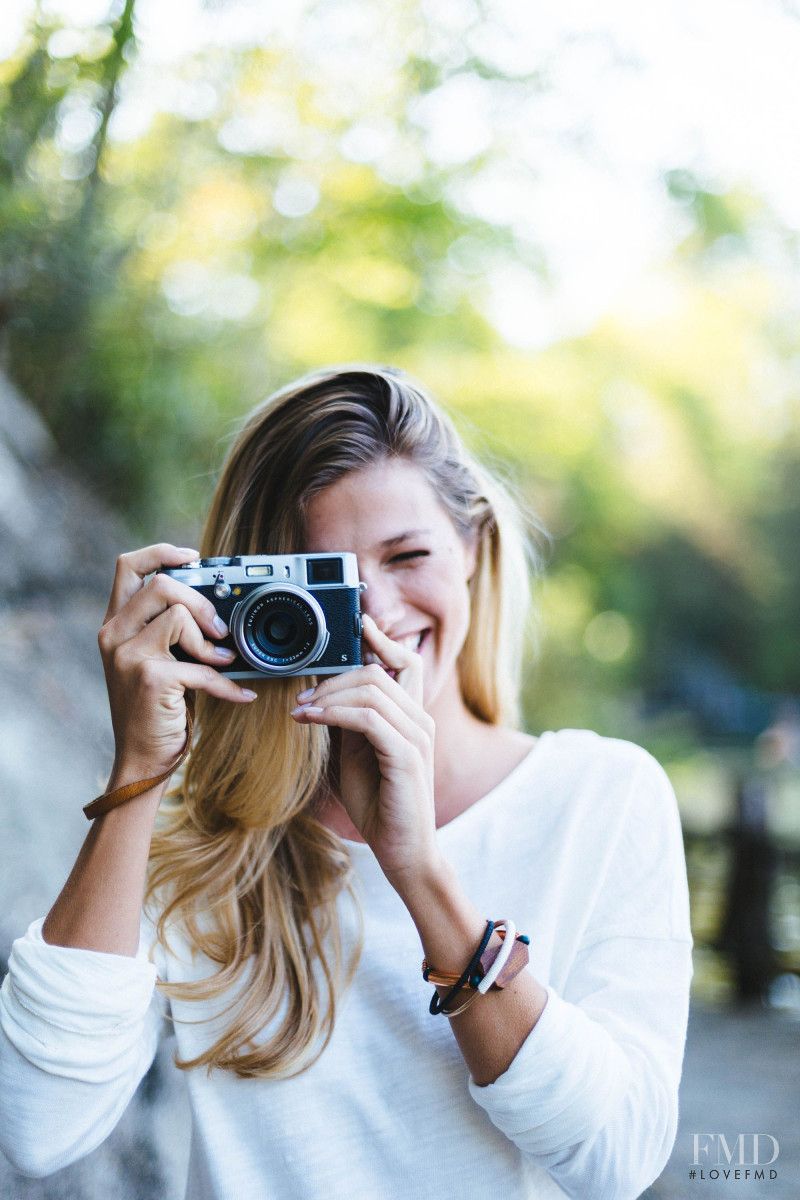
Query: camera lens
{"type": "Point", "coordinates": [279, 633]}
{"type": "Point", "coordinates": [279, 629]}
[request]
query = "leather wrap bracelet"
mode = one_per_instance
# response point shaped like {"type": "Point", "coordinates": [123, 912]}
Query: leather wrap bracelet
{"type": "Point", "coordinates": [480, 968]}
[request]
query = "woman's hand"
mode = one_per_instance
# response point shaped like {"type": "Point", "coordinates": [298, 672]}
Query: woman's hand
{"type": "Point", "coordinates": [146, 684]}
{"type": "Point", "coordinates": [386, 768]}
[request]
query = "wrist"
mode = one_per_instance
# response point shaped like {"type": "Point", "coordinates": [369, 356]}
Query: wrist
{"type": "Point", "coordinates": [127, 771]}
{"type": "Point", "coordinates": [448, 923]}
{"type": "Point", "coordinates": [421, 884]}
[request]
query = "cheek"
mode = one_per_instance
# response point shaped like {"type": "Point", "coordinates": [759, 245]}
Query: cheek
{"type": "Point", "coordinates": [465, 612]}
{"type": "Point", "coordinates": [450, 603]}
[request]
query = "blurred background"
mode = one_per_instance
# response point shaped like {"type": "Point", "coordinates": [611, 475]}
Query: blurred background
{"type": "Point", "coordinates": [580, 226]}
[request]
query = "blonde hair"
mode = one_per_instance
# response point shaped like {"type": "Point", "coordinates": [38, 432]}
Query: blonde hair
{"type": "Point", "coordinates": [241, 860]}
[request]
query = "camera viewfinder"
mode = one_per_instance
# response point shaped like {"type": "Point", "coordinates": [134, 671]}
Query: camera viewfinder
{"type": "Point", "coordinates": [324, 570]}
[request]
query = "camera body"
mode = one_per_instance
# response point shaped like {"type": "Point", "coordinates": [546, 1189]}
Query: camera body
{"type": "Point", "coordinates": [288, 614]}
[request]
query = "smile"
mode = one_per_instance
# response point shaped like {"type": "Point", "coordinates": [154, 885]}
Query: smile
{"type": "Point", "coordinates": [411, 641]}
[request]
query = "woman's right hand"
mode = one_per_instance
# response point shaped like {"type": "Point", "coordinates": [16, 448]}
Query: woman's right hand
{"type": "Point", "coordinates": [146, 684]}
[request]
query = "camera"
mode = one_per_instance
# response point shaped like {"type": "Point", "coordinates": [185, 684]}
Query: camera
{"type": "Point", "coordinates": [288, 614]}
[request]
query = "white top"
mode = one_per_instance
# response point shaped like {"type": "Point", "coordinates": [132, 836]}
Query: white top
{"type": "Point", "coordinates": [581, 846]}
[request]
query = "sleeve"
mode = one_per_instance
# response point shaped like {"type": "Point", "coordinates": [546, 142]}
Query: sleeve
{"type": "Point", "coordinates": [78, 1030]}
{"type": "Point", "coordinates": [592, 1095]}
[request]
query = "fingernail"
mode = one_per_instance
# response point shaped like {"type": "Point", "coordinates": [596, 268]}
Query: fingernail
{"type": "Point", "coordinates": [306, 695]}
{"type": "Point", "coordinates": [248, 694]}
{"type": "Point", "coordinates": [220, 626]}
{"type": "Point", "coordinates": [304, 708]}
{"type": "Point", "coordinates": [224, 652]}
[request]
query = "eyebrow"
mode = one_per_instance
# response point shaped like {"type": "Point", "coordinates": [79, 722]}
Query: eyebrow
{"type": "Point", "coordinates": [404, 537]}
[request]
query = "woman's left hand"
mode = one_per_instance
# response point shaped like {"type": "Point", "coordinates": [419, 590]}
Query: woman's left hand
{"type": "Point", "coordinates": [386, 769]}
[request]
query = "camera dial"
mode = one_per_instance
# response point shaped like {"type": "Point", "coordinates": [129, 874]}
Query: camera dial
{"type": "Point", "coordinates": [222, 589]}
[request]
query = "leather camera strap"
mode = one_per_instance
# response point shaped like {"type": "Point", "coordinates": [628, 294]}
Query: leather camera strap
{"type": "Point", "coordinates": [120, 795]}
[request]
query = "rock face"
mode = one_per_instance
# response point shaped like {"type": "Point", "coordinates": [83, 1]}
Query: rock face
{"type": "Point", "coordinates": [57, 549]}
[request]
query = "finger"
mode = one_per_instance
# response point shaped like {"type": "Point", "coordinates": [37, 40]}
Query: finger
{"type": "Point", "coordinates": [404, 682]}
{"type": "Point", "coordinates": [157, 596]}
{"type": "Point", "coordinates": [332, 688]}
{"type": "Point", "coordinates": [404, 661]}
{"type": "Point", "coordinates": [382, 735]}
{"type": "Point", "coordinates": [132, 569]}
{"type": "Point", "coordinates": [358, 677]}
{"type": "Point", "coordinates": [176, 626]}
{"type": "Point", "coordinates": [164, 676]}
{"type": "Point", "coordinates": [415, 727]}
{"type": "Point", "coordinates": [197, 677]}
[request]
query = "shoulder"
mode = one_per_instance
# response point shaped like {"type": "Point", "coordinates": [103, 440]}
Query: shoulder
{"type": "Point", "coordinates": [599, 785]}
{"type": "Point", "coordinates": [584, 759]}
{"type": "Point", "coordinates": [611, 812]}
{"type": "Point", "coordinates": [584, 745]}
{"type": "Point", "coordinates": [624, 820]}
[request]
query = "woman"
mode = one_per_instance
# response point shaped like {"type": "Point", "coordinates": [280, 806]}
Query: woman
{"type": "Point", "coordinates": [325, 837]}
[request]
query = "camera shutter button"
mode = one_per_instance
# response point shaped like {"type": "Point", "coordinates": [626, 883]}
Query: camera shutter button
{"type": "Point", "coordinates": [222, 589]}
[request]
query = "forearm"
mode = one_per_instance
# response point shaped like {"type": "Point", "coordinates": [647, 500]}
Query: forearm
{"type": "Point", "coordinates": [492, 1030]}
{"type": "Point", "coordinates": [593, 1096]}
{"type": "Point", "coordinates": [78, 1030]}
{"type": "Point", "coordinates": [597, 1111]}
{"type": "Point", "coordinates": [100, 904]}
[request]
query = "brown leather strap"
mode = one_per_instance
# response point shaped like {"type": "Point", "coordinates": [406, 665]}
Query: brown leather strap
{"type": "Point", "coordinates": [109, 800]}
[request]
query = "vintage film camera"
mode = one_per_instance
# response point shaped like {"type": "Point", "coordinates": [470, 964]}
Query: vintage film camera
{"type": "Point", "coordinates": [288, 614]}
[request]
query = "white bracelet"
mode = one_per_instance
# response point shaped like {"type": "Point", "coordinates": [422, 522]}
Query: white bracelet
{"type": "Point", "coordinates": [502, 958]}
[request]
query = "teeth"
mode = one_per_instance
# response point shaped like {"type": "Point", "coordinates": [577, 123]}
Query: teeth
{"type": "Point", "coordinates": [412, 641]}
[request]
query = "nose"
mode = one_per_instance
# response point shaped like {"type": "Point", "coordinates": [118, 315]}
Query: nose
{"type": "Point", "coordinates": [382, 601]}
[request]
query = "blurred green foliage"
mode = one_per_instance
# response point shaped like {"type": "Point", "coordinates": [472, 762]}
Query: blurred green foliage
{"type": "Point", "coordinates": [156, 282]}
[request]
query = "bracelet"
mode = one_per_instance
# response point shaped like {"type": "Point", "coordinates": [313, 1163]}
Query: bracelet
{"type": "Point", "coordinates": [518, 956]}
{"type": "Point", "coordinates": [517, 960]}
{"type": "Point", "coordinates": [487, 970]}
{"type": "Point", "coordinates": [438, 1004]}
{"type": "Point", "coordinates": [503, 956]}
{"type": "Point", "coordinates": [109, 800]}
{"type": "Point", "coordinates": [454, 1012]}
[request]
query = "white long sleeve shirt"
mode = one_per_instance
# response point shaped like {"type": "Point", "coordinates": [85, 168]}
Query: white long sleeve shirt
{"type": "Point", "coordinates": [581, 846]}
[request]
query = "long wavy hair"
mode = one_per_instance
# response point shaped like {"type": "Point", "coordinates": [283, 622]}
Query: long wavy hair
{"type": "Point", "coordinates": [240, 861]}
